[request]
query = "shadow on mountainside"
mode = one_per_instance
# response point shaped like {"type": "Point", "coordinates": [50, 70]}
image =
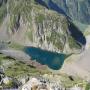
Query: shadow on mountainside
{"type": "Point", "coordinates": [77, 34]}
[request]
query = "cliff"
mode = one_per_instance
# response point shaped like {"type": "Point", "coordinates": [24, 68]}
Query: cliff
{"type": "Point", "coordinates": [31, 24]}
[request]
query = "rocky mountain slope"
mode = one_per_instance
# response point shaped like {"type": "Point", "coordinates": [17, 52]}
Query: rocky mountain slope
{"type": "Point", "coordinates": [34, 23]}
{"type": "Point", "coordinates": [29, 23]}
{"type": "Point", "coordinates": [75, 9]}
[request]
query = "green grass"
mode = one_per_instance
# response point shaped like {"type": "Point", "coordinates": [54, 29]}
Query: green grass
{"type": "Point", "coordinates": [1, 57]}
{"type": "Point", "coordinates": [22, 69]}
{"type": "Point", "coordinates": [87, 86]}
{"type": "Point", "coordinates": [22, 7]}
{"type": "Point", "coordinates": [30, 35]}
{"type": "Point", "coordinates": [40, 18]}
{"type": "Point", "coordinates": [69, 83]}
{"type": "Point", "coordinates": [55, 39]}
{"type": "Point", "coordinates": [72, 43]}
{"type": "Point", "coordinates": [12, 21]}
{"type": "Point", "coordinates": [16, 46]}
{"type": "Point", "coordinates": [86, 33]}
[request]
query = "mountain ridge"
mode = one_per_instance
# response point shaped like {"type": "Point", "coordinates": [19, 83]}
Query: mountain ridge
{"type": "Point", "coordinates": [75, 9]}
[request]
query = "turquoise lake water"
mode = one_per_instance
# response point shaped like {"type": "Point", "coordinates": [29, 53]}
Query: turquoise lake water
{"type": "Point", "coordinates": [52, 59]}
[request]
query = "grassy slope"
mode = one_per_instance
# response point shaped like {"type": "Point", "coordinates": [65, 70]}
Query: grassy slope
{"type": "Point", "coordinates": [19, 68]}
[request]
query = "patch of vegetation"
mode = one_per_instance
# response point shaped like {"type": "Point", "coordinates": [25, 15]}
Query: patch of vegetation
{"type": "Point", "coordinates": [64, 25]}
{"type": "Point", "coordinates": [86, 33]}
{"type": "Point", "coordinates": [40, 18]}
{"type": "Point", "coordinates": [19, 68]}
{"type": "Point", "coordinates": [30, 35]}
{"type": "Point", "coordinates": [55, 39]}
{"type": "Point", "coordinates": [68, 83]}
{"type": "Point", "coordinates": [1, 57]}
{"type": "Point", "coordinates": [22, 69]}
{"type": "Point", "coordinates": [16, 46]}
{"type": "Point", "coordinates": [87, 86]}
{"type": "Point", "coordinates": [9, 85]}
{"type": "Point", "coordinates": [73, 43]}
{"type": "Point", "coordinates": [22, 7]}
{"type": "Point", "coordinates": [5, 60]}
{"type": "Point", "coordinates": [12, 21]}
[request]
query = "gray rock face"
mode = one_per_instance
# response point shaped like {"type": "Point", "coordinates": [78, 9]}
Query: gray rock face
{"type": "Point", "coordinates": [76, 9]}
